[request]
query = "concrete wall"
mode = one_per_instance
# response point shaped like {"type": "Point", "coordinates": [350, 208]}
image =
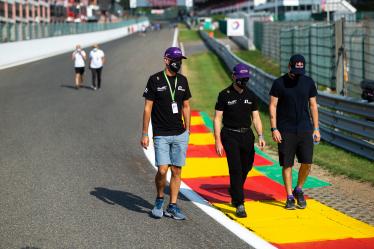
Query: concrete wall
{"type": "Point", "coordinates": [17, 53]}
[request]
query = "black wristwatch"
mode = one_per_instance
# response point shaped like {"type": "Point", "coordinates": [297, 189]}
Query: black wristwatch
{"type": "Point", "coordinates": [273, 129]}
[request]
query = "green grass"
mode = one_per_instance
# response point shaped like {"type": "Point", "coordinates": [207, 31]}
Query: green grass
{"type": "Point", "coordinates": [257, 59]}
{"type": "Point", "coordinates": [207, 77]}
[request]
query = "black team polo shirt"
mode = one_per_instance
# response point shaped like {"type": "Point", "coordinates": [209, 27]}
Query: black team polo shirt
{"type": "Point", "coordinates": [237, 107]}
{"type": "Point", "coordinates": [164, 121]}
{"type": "Point", "coordinates": [293, 103]}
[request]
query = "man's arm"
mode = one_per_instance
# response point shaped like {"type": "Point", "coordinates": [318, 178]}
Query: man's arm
{"type": "Point", "coordinates": [314, 112]}
{"type": "Point", "coordinates": [273, 119]}
{"type": "Point", "coordinates": [146, 118]}
{"type": "Point", "coordinates": [258, 126]}
{"type": "Point", "coordinates": [186, 114]}
{"type": "Point", "coordinates": [217, 132]}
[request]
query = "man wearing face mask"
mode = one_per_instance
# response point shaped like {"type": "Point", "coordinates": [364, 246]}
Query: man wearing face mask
{"type": "Point", "coordinates": [291, 97]}
{"type": "Point", "coordinates": [166, 100]}
{"type": "Point", "coordinates": [237, 108]}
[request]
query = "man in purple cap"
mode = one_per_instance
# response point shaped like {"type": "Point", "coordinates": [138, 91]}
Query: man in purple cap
{"type": "Point", "coordinates": [167, 97]}
{"type": "Point", "coordinates": [291, 97]}
{"type": "Point", "coordinates": [236, 108]}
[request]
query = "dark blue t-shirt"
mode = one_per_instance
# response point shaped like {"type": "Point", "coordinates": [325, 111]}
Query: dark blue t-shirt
{"type": "Point", "coordinates": [293, 103]}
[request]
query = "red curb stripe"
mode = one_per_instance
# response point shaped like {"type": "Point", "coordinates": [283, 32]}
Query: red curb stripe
{"type": "Point", "coordinates": [215, 189]}
{"type": "Point", "coordinates": [367, 243]}
{"type": "Point", "coordinates": [195, 113]}
{"type": "Point", "coordinates": [199, 129]}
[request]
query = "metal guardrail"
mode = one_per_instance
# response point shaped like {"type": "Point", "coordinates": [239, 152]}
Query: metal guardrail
{"type": "Point", "coordinates": [345, 122]}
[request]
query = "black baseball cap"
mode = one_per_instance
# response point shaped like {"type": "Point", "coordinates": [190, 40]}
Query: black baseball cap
{"type": "Point", "coordinates": [297, 64]}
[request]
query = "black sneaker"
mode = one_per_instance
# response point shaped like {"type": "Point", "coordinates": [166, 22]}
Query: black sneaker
{"type": "Point", "coordinates": [240, 211]}
{"type": "Point", "coordinates": [290, 204]}
{"type": "Point", "coordinates": [299, 195]}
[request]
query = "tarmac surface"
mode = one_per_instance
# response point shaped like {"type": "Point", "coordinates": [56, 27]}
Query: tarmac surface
{"type": "Point", "coordinates": [72, 172]}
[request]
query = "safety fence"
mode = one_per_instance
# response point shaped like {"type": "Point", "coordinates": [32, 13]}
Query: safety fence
{"type": "Point", "coordinates": [345, 122]}
{"type": "Point", "coordinates": [317, 42]}
{"type": "Point", "coordinates": [11, 32]}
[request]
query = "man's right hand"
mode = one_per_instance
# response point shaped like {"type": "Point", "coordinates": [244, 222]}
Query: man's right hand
{"type": "Point", "coordinates": [144, 142]}
{"type": "Point", "coordinates": [219, 148]}
{"type": "Point", "coordinates": [277, 136]}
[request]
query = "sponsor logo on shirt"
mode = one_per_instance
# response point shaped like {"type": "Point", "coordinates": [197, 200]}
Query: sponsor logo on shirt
{"type": "Point", "coordinates": [161, 89]}
{"type": "Point", "coordinates": [233, 102]}
{"type": "Point", "coordinates": [246, 101]}
{"type": "Point", "coordinates": [180, 88]}
{"type": "Point", "coordinates": [146, 90]}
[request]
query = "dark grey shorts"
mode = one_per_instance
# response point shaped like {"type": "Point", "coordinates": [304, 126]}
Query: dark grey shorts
{"type": "Point", "coordinates": [296, 144]}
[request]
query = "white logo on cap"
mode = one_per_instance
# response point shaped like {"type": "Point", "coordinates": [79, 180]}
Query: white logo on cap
{"type": "Point", "coordinates": [243, 71]}
{"type": "Point", "coordinates": [299, 64]}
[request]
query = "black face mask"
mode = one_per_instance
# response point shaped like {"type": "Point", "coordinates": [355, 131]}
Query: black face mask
{"type": "Point", "coordinates": [242, 82]}
{"type": "Point", "coordinates": [175, 66]}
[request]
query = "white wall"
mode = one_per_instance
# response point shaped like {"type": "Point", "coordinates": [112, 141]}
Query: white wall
{"type": "Point", "coordinates": [17, 53]}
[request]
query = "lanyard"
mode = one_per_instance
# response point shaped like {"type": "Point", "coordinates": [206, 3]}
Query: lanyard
{"type": "Point", "coordinates": [172, 93]}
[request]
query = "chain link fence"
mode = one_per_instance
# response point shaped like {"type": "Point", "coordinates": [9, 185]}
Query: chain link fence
{"type": "Point", "coordinates": [11, 32]}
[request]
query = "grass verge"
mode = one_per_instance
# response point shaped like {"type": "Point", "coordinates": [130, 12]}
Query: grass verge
{"type": "Point", "coordinates": [207, 77]}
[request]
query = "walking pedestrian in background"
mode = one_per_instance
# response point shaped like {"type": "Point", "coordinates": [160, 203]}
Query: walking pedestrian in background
{"type": "Point", "coordinates": [97, 60]}
{"type": "Point", "coordinates": [291, 97]}
{"type": "Point", "coordinates": [237, 109]}
{"type": "Point", "coordinates": [167, 97]}
{"type": "Point", "coordinates": [79, 58]}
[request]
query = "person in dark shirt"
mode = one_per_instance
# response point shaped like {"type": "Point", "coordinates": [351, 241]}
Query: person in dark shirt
{"type": "Point", "coordinates": [166, 99]}
{"type": "Point", "coordinates": [291, 97]}
{"type": "Point", "coordinates": [237, 108]}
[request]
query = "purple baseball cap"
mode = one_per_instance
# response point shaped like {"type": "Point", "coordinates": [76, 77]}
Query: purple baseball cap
{"type": "Point", "coordinates": [297, 64]}
{"type": "Point", "coordinates": [241, 71]}
{"type": "Point", "coordinates": [174, 53]}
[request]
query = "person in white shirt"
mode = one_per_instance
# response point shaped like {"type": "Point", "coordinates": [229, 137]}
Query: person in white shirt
{"type": "Point", "coordinates": [79, 58]}
{"type": "Point", "coordinates": [97, 60]}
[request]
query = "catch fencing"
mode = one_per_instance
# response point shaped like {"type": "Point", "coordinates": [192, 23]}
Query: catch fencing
{"type": "Point", "coordinates": [345, 122]}
{"type": "Point", "coordinates": [317, 42]}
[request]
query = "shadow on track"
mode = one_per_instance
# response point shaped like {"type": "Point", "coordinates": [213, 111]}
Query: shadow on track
{"type": "Point", "coordinates": [122, 198]}
{"type": "Point", "coordinates": [73, 87]}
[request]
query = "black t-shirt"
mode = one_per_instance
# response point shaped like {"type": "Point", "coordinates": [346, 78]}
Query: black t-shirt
{"type": "Point", "coordinates": [293, 103]}
{"type": "Point", "coordinates": [164, 121]}
{"type": "Point", "coordinates": [237, 107]}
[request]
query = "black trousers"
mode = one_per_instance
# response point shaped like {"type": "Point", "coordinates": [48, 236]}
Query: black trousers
{"type": "Point", "coordinates": [240, 153]}
{"type": "Point", "coordinates": [96, 74]}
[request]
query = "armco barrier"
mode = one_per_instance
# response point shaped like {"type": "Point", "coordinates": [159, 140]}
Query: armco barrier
{"type": "Point", "coordinates": [345, 122]}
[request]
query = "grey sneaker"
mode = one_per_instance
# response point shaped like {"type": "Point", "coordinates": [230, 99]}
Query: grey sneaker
{"type": "Point", "coordinates": [157, 211]}
{"type": "Point", "coordinates": [173, 211]}
{"type": "Point", "coordinates": [240, 211]}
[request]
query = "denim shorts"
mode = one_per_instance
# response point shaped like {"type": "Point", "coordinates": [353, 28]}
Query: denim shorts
{"type": "Point", "coordinates": [171, 150]}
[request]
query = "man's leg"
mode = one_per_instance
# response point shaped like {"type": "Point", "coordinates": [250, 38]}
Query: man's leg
{"type": "Point", "coordinates": [247, 155]}
{"type": "Point", "coordinates": [303, 174]}
{"type": "Point", "coordinates": [232, 149]}
{"type": "Point", "coordinates": [287, 151]}
{"type": "Point", "coordinates": [287, 179]}
{"type": "Point", "coordinates": [93, 72]}
{"type": "Point", "coordinates": [175, 183]}
{"type": "Point", "coordinates": [77, 78]}
{"type": "Point", "coordinates": [99, 77]}
{"type": "Point", "coordinates": [160, 180]}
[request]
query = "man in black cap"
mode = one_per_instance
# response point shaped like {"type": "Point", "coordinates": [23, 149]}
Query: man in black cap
{"type": "Point", "coordinates": [237, 108]}
{"type": "Point", "coordinates": [167, 97]}
{"type": "Point", "coordinates": [291, 97]}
